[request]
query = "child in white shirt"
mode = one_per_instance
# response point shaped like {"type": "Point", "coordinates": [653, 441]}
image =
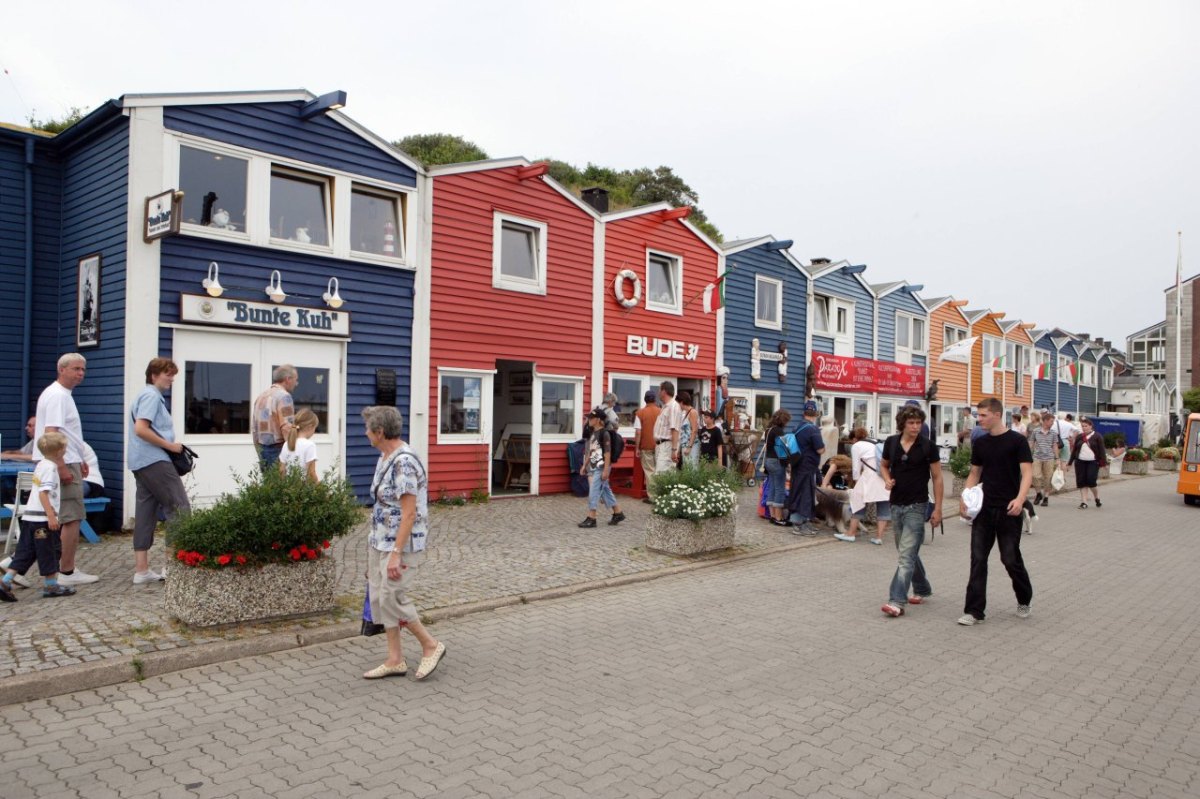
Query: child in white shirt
{"type": "Point", "coordinates": [40, 529]}
{"type": "Point", "coordinates": [300, 451]}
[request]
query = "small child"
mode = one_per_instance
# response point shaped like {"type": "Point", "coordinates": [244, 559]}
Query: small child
{"type": "Point", "coordinates": [300, 450]}
{"type": "Point", "coordinates": [40, 539]}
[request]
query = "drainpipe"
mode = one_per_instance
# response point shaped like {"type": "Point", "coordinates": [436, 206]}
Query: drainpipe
{"type": "Point", "coordinates": [1057, 367]}
{"type": "Point", "coordinates": [27, 321]}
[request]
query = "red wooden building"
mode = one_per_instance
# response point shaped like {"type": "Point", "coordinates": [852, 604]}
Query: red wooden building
{"type": "Point", "coordinates": [656, 267]}
{"type": "Point", "coordinates": [510, 287]}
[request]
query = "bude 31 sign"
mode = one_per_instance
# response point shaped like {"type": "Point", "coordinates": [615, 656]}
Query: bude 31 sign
{"type": "Point", "coordinates": [662, 348]}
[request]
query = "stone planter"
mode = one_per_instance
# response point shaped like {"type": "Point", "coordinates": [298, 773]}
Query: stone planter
{"type": "Point", "coordinates": [956, 486]}
{"type": "Point", "coordinates": [204, 597]}
{"type": "Point", "coordinates": [1116, 464]}
{"type": "Point", "coordinates": [1136, 467]}
{"type": "Point", "coordinates": [685, 537]}
{"type": "Point", "coordinates": [1166, 465]}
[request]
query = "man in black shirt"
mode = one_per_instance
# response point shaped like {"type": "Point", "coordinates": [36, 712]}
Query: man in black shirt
{"type": "Point", "coordinates": [1002, 462]}
{"type": "Point", "coordinates": [712, 441]}
{"type": "Point", "coordinates": [910, 460]}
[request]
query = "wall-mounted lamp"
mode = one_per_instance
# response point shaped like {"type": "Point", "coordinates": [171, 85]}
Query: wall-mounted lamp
{"type": "Point", "coordinates": [331, 296]}
{"type": "Point", "coordinates": [275, 287]}
{"type": "Point", "coordinates": [326, 102]}
{"type": "Point", "coordinates": [212, 283]}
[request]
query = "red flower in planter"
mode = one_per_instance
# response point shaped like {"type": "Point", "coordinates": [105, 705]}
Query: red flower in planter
{"type": "Point", "coordinates": [294, 554]}
{"type": "Point", "coordinates": [325, 545]}
{"type": "Point", "coordinates": [276, 545]}
{"type": "Point", "coordinates": [241, 560]}
{"type": "Point", "coordinates": [224, 559]}
{"type": "Point", "coordinates": [312, 554]}
{"type": "Point", "coordinates": [181, 556]}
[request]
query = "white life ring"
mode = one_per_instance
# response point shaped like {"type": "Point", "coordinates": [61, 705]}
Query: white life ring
{"type": "Point", "coordinates": [619, 288]}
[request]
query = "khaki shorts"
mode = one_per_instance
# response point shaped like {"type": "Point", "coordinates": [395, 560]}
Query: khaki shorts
{"type": "Point", "coordinates": [70, 499]}
{"type": "Point", "coordinates": [390, 605]}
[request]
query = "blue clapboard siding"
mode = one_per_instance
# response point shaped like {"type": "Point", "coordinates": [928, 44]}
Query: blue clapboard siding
{"type": "Point", "coordinates": [378, 298]}
{"type": "Point", "coordinates": [1043, 390]}
{"type": "Point", "coordinates": [920, 360]}
{"type": "Point", "coordinates": [1087, 394]}
{"type": "Point", "coordinates": [1103, 395]}
{"type": "Point", "coordinates": [276, 128]}
{"type": "Point", "coordinates": [1068, 393]}
{"type": "Point", "coordinates": [899, 301]}
{"type": "Point", "coordinates": [822, 344]}
{"type": "Point", "coordinates": [93, 220]}
{"type": "Point", "coordinates": [13, 226]}
{"type": "Point", "coordinates": [838, 284]}
{"type": "Point", "coordinates": [743, 267]}
{"type": "Point", "coordinates": [49, 316]}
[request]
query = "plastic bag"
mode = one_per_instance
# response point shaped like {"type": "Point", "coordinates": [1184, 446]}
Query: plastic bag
{"type": "Point", "coordinates": [1058, 480]}
{"type": "Point", "coordinates": [972, 499]}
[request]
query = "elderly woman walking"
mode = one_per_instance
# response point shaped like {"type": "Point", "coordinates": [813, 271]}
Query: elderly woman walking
{"type": "Point", "coordinates": [396, 545]}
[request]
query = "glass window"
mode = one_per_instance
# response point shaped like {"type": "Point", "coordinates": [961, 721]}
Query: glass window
{"type": "Point", "coordinates": [519, 251]}
{"type": "Point", "coordinates": [860, 414]}
{"type": "Point", "coordinates": [952, 335]}
{"type": "Point", "coordinates": [821, 314]}
{"type": "Point", "coordinates": [298, 208]}
{"type": "Point", "coordinates": [375, 221]}
{"type": "Point", "coordinates": [662, 282]}
{"type": "Point", "coordinates": [918, 335]}
{"type": "Point", "coordinates": [765, 406]}
{"type": "Point", "coordinates": [558, 408]}
{"type": "Point", "coordinates": [887, 414]}
{"type": "Point", "coordinates": [766, 301]}
{"type": "Point", "coordinates": [902, 332]}
{"type": "Point", "coordinates": [216, 398]}
{"type": "Point", "coordinates": [312, 392]}
{"type": "Point", "coordinates": [459, 411]}
{"type": "Point", "coordinates": [214, 189]}
{"type": "Point", "coordinates": [843, 321]}
{"type": "Point", "coordinates": [629, 393]}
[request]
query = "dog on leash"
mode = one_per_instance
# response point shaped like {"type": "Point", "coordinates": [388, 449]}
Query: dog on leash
{"type": "Point", "coordinates": [833, 505]}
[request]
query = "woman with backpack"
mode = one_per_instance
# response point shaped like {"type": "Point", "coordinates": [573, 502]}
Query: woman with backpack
{"type": "Point", "coordinates": [777, 469]}
{"type": "Point", "coordinates": [869, 487]}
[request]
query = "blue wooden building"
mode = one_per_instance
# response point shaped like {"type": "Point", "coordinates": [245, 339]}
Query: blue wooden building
{"type": "Point", "coordinates": [901, 339]}
{"type": "Point", "coordinates": [297, 242]}
{"type": "Point", "coordinates": [764, 327]}
{"type": "Point", "coordinates": [842, 324]}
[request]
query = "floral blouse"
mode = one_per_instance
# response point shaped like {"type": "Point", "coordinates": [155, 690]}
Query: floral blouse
{"type": "Point", "coordinates": [396, 475]}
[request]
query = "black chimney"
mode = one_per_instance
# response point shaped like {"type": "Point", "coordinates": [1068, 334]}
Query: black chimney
{"type": "Point", "coordinates": [820, 261]}
{"type": "Point", "coordinates": [597, 198]}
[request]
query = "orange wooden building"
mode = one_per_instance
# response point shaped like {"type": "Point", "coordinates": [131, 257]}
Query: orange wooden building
{"type": "Point", "coordinates": [947, 326]}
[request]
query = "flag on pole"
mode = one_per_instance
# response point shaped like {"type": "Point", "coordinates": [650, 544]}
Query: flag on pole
{"type": "Point", "coordinates": [959, 352]}
{"type": "Point", "coordinates": [714, 295]}
{"type": "Point", "coordinates": [1073, 372]}
{"type": "Point", "coordinates": [997, 363]}
{"type": "Point", "coordinates": [1042, 372]}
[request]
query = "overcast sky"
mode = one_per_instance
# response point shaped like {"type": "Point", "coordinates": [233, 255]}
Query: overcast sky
{"type": "Point", "coordinates": [1032, 157]}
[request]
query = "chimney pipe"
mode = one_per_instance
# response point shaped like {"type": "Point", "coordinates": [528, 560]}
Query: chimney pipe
{"type": "Point", "coordinates": [820, 261]}
{"type": "Point", "coordinates": [597, 198]}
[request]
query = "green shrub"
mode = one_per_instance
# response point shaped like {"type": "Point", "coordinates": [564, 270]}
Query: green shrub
{"type": "Point", "coordinates": [695, 492]}
{"type": "Point", "coordinates": [1166, 454]}
{"type": "Point", "coordinates": [1114, 440]}
{"type": "Point", "coordinates": [1136, 455]}
{"type": "Point", "coordinates": [960, 461]}
{"type": "Point", "coordinates": [270, 518]}
{"type": "Point", "coordinates": [1164, 442]}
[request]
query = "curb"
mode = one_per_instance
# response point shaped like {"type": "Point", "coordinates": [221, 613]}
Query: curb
{"type": "Point", "coordinates": [89, 676]}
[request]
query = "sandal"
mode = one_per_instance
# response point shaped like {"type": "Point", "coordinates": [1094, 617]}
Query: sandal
{"type": "Point", "coordinates": [384, 670]}
{"type": "Point", "coordinates": [432, 662]}
{"type": "Point", "coordinates": [1083, 506]}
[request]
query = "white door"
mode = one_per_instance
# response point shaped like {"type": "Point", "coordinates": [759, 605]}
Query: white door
{"type": "Point", "coordinates": [222, 373]}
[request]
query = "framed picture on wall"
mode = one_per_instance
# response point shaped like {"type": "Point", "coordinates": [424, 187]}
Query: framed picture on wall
{"type": "Point", "coordinates": [87, 306]}
{"type": "Point", "coordinates": [520, 379]}
{"type": "Point", "coordinates": [521, 397]}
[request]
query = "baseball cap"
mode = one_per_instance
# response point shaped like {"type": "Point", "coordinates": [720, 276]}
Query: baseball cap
{"type": "Point", "coordinates": [810, 407]}
{"type": "Point", "coordinates": [598, 413]}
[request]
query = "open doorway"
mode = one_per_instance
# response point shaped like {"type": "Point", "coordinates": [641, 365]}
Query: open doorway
{"type": "Point", "coordinates": [512, 428]}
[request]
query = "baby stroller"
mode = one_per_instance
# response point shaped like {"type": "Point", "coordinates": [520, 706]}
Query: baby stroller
{"type": "Point", "coordinates": [743, 443]}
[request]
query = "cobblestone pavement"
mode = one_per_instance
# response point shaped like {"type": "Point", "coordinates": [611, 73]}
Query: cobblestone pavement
{"type": "Point", "coordinates": [775, 677]}
{"type": "Point", "coordinates": [503, 548]}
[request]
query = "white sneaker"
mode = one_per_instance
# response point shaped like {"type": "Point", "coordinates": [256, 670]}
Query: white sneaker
{"type": "Point", "coordinates": [967, 620]}
{"type": "Point", "coordinates": [148, 576]}
{"type": "Point", "coordinates": [22, 581]}
{"type": "Point", "coordinates": [1023, 611]}
{"type": "Point", "coordinates": [78, 577]}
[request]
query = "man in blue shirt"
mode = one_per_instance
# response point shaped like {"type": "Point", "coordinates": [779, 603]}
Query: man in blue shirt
{"type": "Point", "coordinates": [804, 473]}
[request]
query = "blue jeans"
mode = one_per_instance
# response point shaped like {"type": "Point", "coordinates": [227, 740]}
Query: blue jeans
{"type": "Point", "coordinates": [599, 491]}
{"type": "Point", "coordinates": [268, 454]}
{"type": "Point", "coordinates": [909, 524]}
{"type": "Point", "coordinates": [777, 472]}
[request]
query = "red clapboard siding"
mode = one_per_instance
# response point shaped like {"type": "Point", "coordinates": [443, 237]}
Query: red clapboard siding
{"type": "Point", "coordinates": [472, 324]}
{"type": "Point", "coordinates": [625, 245]}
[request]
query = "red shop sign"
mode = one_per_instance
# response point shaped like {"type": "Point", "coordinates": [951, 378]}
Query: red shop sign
{"type": "Point", "coordinates": [866, 375]}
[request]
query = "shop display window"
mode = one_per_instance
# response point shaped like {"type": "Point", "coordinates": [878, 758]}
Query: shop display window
{"type": "Point", "coordinates": [214, 189]}
{"type": "Point", "coordinates": [559, 408]}
{"type": "Point", "coordinates": [312, 392]}
{"type": "Point", "coordinates": [376, 223]}
{"type": "Point", "coordinates": [765, 406]}
{"type": "Point", "coordinates": [299, 207]}
{"type": "Point", "coordinates": [887, 419]}
{"type": "Point", "coordinates": [629, 393]}
{"type": "Point", "coordinates": [216, 398]}
{"type": "Point", "coordinates": [460, 405]}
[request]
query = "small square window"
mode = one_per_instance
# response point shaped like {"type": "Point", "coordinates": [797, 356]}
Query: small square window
{"type": "Point", "coordinates": [918, 335]}
{"type": "Point", "coordinates": [768, 297]}
{"type": "Point", "coordinates": [519, 254]}
{"type": "Point", "coordinates": [821, 314]}
{"type": "Point", "coordinates": [214, 189]}
{"type": "Point", "coordinates": [663, 279]}
{"type": "Point", "coordinates": [376, 223]}
{"type": "Point", "coordinates": [902, 332]}
{"type": "Point", "coordinates": [299, 207]}
{"type": "Point", "coordinates": [843, 321]}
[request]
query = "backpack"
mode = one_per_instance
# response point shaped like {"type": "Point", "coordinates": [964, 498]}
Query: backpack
{"type": "Point", "coordinates": [616, 445]}
{"type": "Point", "coordinates": [787, 448]}
{"type": "Point", "coordinates": [878, 456]}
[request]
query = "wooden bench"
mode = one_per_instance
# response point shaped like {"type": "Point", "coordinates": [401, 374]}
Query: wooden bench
{"type": "Point", "coordinates": [92, 505]}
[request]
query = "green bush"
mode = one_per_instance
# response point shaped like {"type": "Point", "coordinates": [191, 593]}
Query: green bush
{"type": "Point", "coordinates": [270, 518]}
{"type": "Point", "coordinates": [695, 492]}
{"type": "Point", "coordinates": [1166, 454]}
{"type": "Point", "coordinates": [960, 461]}
{"type": "Point", "coordinates": [1114, 440]}
{"type": "Point", "coordinates": [1164, 442]}
{"type": "Point", "coordinates": [1136, 455]}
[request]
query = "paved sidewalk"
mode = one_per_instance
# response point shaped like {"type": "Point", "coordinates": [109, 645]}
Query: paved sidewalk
{"type": "Point", "coordinates": [504, 548]}
{"type": "Point", "coordinates": [771, 677]}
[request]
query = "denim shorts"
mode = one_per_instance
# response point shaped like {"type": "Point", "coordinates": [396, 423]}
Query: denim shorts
{"type": "Point", "coordinates": [777, 496]}
{"type": "Point", "coordinates": [883, 511]}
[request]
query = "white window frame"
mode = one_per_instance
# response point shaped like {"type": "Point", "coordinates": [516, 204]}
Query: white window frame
{"type": "Point", "coordinates": [577, 431]}
{"type": "Point", "coordinates": [1064, 363]}
{"type": "Point", "coordinates": [917, 345]}
{"type": "Point", "coordinates": [1106, 378]}
{"type": "Point", "coordinates": [960, 334]}
{"type": "Point", "coordinates": [651, 305]}
{"type": "Point", "coordinates": [508, 282]}
{"type": "Point", "coordinates": [843, 342]}
{"type": "Point", "coordinates": [890, 417]}
{"type": "Point", "coordinates": [399, 199]}
{"type": "Point", "coordinates": [258, 201]}
{"type": "Point", "coordinates": [755, 394]}
{"type": "Point", "coordinates": [761, 283]}
{"type": "Point", "coordinates": [644, 380]}
{"type": "Point", "coordinates": [486, 378]}
{"type": "Point", "coordinates": [304, 176]}
{"type": "Point", "coordinates": [827, 302]}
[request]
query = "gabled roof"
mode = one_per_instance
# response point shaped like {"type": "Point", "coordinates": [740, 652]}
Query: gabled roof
{"type": "Point", "coordinates": [268, 96]}
{"type": "Point", "coordinates": [465, 167]}
{"type": "Point", "coordinates": [732, 248]}
{"type": "Point", "coordinates": [654, 208]}
{"type": "Point", "coordinates": [821, 270]}
{"type": "Point", "coordinates": [977, 314]}
{"type": "Point", "coordinates": [937, 302]}
{"type": "Point", "coordinates": [1007, 325]}
{"type": "Point", "coordinates": [881, 289]}
{"type": "Point", "coordinates": [1185, 281]}
{"type": "Point", "coordinates": [1147, 329]}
